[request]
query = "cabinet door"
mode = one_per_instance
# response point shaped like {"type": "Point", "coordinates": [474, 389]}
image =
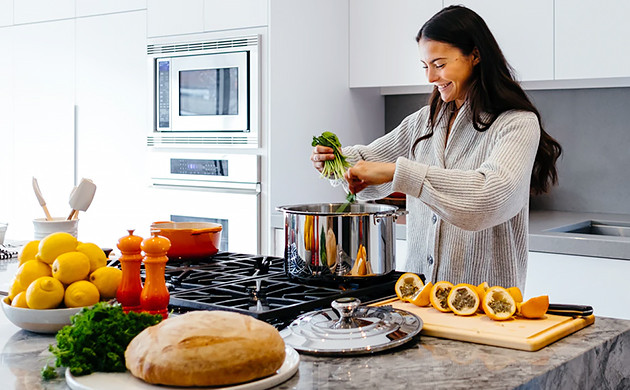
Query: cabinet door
{"type": "Point", "coordinates": [581, 280]}
{"type": "Point", "coordinates": [590, 39]}
{"type": "Point", "coordinates": [223, 15]}
{"type": "Point", "coordinates": [43, 85]}
{"type": "Point", "coordinates": [111, 96]}
{"type": "Point", "coordinates": [166, 17]}
{"type": "Point", "coordinates": [6, 12]}
{"type": "Point", "coordinates": [383, 49]}
{"type": "Point", "coordinates": [524, 31]}
{"type": "Point", "coordinates": [100, 7]}
{"type": "Point", "coordinates": [30, 11]}
{"type": "Point", "coordinates": [6, 126]}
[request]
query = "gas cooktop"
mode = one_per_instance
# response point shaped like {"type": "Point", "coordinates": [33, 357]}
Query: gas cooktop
{"type": "Point", "coordinates": [258, 286]}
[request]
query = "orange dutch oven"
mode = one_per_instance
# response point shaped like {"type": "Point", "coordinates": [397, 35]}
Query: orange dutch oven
{"type": "Point", "coordinates": [190, 239]}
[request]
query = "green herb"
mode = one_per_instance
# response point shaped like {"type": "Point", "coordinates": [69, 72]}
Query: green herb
{"type": "Point", "coordinates": [333, 169]}
{"type": "Point", "coordinates": [49, 373]}
{"type": "Point", "coordinates": [350, 198]}
{"type": "Point", "coordinates": [98, 337]}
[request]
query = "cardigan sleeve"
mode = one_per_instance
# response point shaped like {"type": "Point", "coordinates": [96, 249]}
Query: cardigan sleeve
{"type": "Point", "coordinates": [386, 149]}
{"type": "Point", "coordinates": [484, 197]}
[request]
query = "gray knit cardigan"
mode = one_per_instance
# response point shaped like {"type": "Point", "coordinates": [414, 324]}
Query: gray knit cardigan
{"type": "Point", "coordinates": [467, 198]}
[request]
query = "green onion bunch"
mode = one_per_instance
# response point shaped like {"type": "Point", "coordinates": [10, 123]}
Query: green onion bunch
{"type": "Point", "coordinates": [333, 169]}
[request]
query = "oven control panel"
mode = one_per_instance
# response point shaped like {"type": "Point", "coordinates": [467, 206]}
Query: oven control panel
{"type": "Point", "coordinates": [185, 166]}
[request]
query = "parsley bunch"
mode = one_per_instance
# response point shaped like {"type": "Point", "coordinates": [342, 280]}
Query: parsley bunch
{"type": "Point", "coordinates": [98, 338]}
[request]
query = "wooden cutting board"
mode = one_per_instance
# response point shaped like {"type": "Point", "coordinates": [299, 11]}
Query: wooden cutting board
{"type": "Point", "coordinates": [518, 333]}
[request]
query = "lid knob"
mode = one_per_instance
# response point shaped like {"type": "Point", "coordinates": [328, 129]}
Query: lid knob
{"type": "Point", "coordinates": [346, 308]}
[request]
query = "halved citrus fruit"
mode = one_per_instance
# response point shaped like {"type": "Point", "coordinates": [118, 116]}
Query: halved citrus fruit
{"type": "Point", "coordinates": [463, 299]}
{"type": "Point", "coordinates": [439, 294]}
{"type": "Point", "coordinates": [515, 292]}
{"type": "Point", "coordinates": [498, 304]}
{"type": "Point", "coordinates": [407, 285]}
{"type": "Point", "coordinates": [421, 297]}
{"type": "Point", "coordinates": [481, 291]}
{"type": "Point", "coordinates": [534, 307]}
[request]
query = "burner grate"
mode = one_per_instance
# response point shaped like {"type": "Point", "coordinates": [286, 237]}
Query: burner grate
{"type": "Point", "coordinates": [258, 286]}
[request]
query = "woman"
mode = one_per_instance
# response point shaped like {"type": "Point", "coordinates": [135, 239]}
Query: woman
{"type": "Point", "coordinates": [467, 162]}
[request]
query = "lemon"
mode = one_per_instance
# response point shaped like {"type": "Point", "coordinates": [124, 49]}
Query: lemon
{"type": "Point", "coordinates": [81, 293]}
{"type": "Point", "coordinates": [20, 300]}
{"type": "Point", "coordinates": [44, 293]}
{"type": "Point", "coordinates": [15, 288]}
{"type": "Point", "coordinates": [70, 267]}
{"type": "Point", "coordinates": [31, 270]}
{"type": "Point", "coordinates": [28, 252]}
{"type": "Point", "coordinates": [94, 253]}
{"type": "Point", "coordinates": [106, 279]}
{"type": "Point", "coordinates": [55, 244]}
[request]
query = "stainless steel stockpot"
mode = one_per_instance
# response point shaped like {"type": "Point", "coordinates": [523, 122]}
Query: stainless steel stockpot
{"type": "Point", "coordinates": [322, 243]}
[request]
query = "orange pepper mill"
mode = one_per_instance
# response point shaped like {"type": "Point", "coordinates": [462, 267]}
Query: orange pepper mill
{"type": "Point", "coordinates": [154, 297]}
{"type": "Point", "coordinates": [130, 287]}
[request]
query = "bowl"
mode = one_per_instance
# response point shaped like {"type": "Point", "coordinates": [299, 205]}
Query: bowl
{"type": "Point", "coordinates": [39, 321]}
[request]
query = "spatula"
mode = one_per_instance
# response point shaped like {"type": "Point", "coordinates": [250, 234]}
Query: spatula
{"type": "Point", "coordinates": [40, 198]}
{"type": "Point", "coordinates": [81, 197]}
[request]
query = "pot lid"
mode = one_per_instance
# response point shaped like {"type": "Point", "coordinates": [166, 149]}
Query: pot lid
{"type": "Point", "coordinates": [350, 329]}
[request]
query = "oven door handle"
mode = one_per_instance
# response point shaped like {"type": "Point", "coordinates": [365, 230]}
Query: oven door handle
{"type": "Point", "coordinates": [224, 187]}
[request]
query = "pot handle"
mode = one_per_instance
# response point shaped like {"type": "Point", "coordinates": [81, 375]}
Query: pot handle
{"type": "Point", "coordinates": [196, 232]}
{"type": "Point", "coordinates": [395, 214]}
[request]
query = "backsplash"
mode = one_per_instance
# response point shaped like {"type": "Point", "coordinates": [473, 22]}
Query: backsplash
{"type": "Point", "coordinates": [593, 128]}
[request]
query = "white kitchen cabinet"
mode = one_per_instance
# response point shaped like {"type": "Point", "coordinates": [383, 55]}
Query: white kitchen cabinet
{"type": "Point", "coordinates": [43, 98]}
{"type": "Point", "coordinates": [6, 126]}
{"type": "Point", "coordinates": [30, 11]}
{"type": "Point", "coordinates": [167, 17]}
{"type": "Point", "coordinates": [224, 15]}
{"type": "Point", "coordinates": [590, 39]}
{"type": "Point", "coordinates": [524, 31]}
{"type": "Point", "coordinates": [383, 50]}
{"type": "Point", "coordinates": [100, 7]}
{"type": "Point", "coordinates": [111, 132]}
{"type": "Point", "coordinates": [598, 282]}
{"type": "Point", "coordinates": [6, 12]}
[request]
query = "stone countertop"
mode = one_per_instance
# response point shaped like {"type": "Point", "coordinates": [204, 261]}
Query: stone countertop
{"type": "Point", "coordinates": [543, 240]}
{"type": "Point", "coordinates": [594, 357]}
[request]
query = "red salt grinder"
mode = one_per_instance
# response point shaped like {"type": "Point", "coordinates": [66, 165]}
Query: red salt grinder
{"type": "Point", "coordinates": [154, 297]}
{"type": "Point", "coordinates": [130, 287]}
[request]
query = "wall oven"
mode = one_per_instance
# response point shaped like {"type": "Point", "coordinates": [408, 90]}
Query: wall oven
{"type": "Point", "coordinates": [209, 187]}
{"type": "Point", "coordinates": [205, 92]}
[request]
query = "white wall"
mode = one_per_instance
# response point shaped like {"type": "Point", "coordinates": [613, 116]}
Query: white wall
{"type": "Point", "coordinates": [308, 94]}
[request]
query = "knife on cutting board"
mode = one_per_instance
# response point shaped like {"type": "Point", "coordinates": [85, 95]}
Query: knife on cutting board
{"type": "Point", "coordinates": [561, 309]}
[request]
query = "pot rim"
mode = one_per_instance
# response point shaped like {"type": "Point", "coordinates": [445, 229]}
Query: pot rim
{"type": "Point", "coordinates": [389, 210]}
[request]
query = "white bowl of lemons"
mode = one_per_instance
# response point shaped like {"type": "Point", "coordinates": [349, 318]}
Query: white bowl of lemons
{"type": "Point", "coordinates": [57, 277]}
{"type": "Point", "coordinates": [39, 321]}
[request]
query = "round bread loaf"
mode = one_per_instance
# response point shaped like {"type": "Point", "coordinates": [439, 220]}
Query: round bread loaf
{"type": "Point", "coordinates": [205, 348]}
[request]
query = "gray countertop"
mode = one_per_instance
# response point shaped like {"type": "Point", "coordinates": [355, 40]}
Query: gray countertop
{"type": "Point", "coordinates": [543, 240]}
{"type": "Point", "coordinates": [594, 357]}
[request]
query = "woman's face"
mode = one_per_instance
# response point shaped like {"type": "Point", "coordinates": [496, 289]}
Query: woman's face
{"type": "Point", "coordinates": [447, 68]}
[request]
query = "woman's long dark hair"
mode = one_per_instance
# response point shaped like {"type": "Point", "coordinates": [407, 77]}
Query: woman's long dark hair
{"type": "Point", "coordinates": [492, 89]}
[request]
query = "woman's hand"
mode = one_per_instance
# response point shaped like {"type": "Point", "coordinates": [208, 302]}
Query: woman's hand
{"type": "Point", "coordinates": [321, 154]}
{"type": "Point", "coordinates": [367, 173]}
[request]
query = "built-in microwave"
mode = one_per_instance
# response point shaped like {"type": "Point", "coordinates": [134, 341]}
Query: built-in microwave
{"type": "Point", "coordinates": [205, 92]}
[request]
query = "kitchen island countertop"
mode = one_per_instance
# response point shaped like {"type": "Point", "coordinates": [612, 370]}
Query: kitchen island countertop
{"type": "Point", "coordinates": [593, 358]}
